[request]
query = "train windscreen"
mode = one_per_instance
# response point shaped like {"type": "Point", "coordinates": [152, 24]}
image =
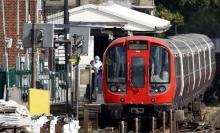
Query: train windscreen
{"type": "Point", "coordinates": [159, 64]}
{"type": "Point", "coordinates": [159, 69]}
{"type": "Point", "coordinates": [116, 68]}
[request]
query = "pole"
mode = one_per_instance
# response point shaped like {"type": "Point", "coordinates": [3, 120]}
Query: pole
{"type": "Point", "coordinates": [66, 21]}
{"type": "Point", "coordinates": [122, 127]}
{"type": "Point", "coordinates": [171, 120]}
{"type": "Point", "coordinates": [17, 47]}
{"type": "Point", "coordinates": [36, 12]}
{"type": "Point", "coordinates": [29, 10]}
{"type": "Point", "coordinates": [77, 88]}
{"type": "Point", "coordinates": [137, 126]}
{"type": "Point", "coordinates": [26, 11]}
{"type": "Point", "coordinates": [3, 22]}
{"type": "Point", "coordinates": [164, 122]}
{"type": "Point", "coordinates": [155, 31]}
{"type": "Point", "coordinates": [33, 78]}
{"type": "Point", "coordinates": [26, 65]}
{"type": "Point", "coordinates": [17, 22]}
{"type": "Point", "coordinates": [44, 12]}
{"type": "Point", "coordinates": [86, 120]}
{"type": "Point", "coordinates": [34, 50]}
{"type": "Point", "coordinates": [176, 30]}
{"type": "Point", "coordinates": [153, 120]}
{"type": "Point", "coordinates": [66, 13]}
{"type": "Point", "coordinates": [5, 47]}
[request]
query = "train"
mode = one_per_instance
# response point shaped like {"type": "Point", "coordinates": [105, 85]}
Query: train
{"type": "Point", "coordinates": [143, 75]}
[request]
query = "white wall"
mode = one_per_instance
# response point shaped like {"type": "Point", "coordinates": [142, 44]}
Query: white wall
{"type": "Point", "coordinates": [85, 60]}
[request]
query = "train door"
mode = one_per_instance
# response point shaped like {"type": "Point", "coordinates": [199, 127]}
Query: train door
{"type": "Point", "coordinates": [137, 79]}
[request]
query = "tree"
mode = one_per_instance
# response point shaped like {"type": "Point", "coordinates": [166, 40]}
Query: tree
{"type": "Point", "coordinates": [205, 21]}
{"type": "Point", "coordinates": [199, 16]}
{"type": "Point", "coordinates": [164, 13]}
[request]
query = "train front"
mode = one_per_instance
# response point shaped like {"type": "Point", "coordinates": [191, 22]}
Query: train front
{"type": "Point", "coordinates": [138, 71]}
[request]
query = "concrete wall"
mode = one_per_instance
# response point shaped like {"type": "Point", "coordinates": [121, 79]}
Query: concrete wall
{"type": "Point", "coordinates": [146, 2]}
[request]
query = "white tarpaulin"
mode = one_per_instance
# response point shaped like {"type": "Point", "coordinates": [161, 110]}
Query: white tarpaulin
{"type": "Point", "coordinates": [110, 12]}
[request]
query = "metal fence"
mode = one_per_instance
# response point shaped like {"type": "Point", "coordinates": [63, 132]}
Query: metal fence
{"type": "Point", "coordinates": [87, 91]}
{"type": "Point", "coordinates": [51, 13]}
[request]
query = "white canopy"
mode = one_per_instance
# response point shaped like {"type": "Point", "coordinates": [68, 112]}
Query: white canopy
{"type": "Point", "coordinates": [112, 13]}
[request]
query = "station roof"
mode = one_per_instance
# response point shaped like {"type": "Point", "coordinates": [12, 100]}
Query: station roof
{"type": "Point", "coordinates": [109, 15]}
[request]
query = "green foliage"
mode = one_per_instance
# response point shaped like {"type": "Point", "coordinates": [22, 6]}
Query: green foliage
{"type": "Point", "coordinates": [196, 4]}
{"type": "Point", "coordinates": [215, 3]}
{"type": "Point", "coordinates": [168, 15]}
{"type": "Point", "coordinates": [200, 16]}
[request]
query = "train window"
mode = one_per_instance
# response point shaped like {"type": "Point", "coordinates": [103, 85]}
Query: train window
{"type": "Point", "coordinates": [204, 61]}
{"type": "Point", "coordinates": [213, 53]}
{"type": "Point", "coordinates": [185, 65]}
{"type": "Point", "coordinates": [196, 61]}
{"type": "Point", "coordinates": [138, 72]}
{"type": "Point", "coordinates": [137, 45]}
{"type": "Point", "coordinates": [159, 64]}
{"type": "Point", "coordinates": [177, 65]}
{"type": "Point", "coordinates": [207, 57]}
{"type": "Point", "coordinates": [115, 67]}
{"type": "Point", "coordinates": [191, 63]}
{"type": "Point", "coordinates": [201, 59]}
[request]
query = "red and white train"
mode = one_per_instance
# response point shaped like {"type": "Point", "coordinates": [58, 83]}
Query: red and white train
{"type": "Point", "coordinates": [143, 74]}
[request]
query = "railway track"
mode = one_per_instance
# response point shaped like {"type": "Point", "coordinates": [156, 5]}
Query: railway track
{"type": "Point", "coordinates": [210, 123]}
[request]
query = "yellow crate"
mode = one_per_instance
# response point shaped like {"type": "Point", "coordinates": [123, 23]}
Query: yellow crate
{"type": "Point", "coordinates": [39, 101]}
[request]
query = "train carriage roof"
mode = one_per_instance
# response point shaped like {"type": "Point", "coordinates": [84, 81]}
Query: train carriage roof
{"type": "Point", "coordinates": [188, 43]}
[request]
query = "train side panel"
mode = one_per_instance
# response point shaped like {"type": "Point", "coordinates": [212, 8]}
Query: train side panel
{"type": "Point", "coordinates": [194, 66]}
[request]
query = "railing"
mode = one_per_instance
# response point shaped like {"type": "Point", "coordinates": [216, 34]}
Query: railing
{"type": "Point", "coordinates": [87, 91]}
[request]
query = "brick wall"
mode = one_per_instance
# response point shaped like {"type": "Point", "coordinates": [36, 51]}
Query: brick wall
{"type": "Point", "coordinates": [10, 19]}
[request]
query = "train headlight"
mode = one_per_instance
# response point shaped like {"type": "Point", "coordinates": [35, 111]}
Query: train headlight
{"type": "Point", "coordinates": [161, 88]}
{"type": "Point", "coordinates": [113, 88]}
{"type": "Point", "coordinates": [122, 88]}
